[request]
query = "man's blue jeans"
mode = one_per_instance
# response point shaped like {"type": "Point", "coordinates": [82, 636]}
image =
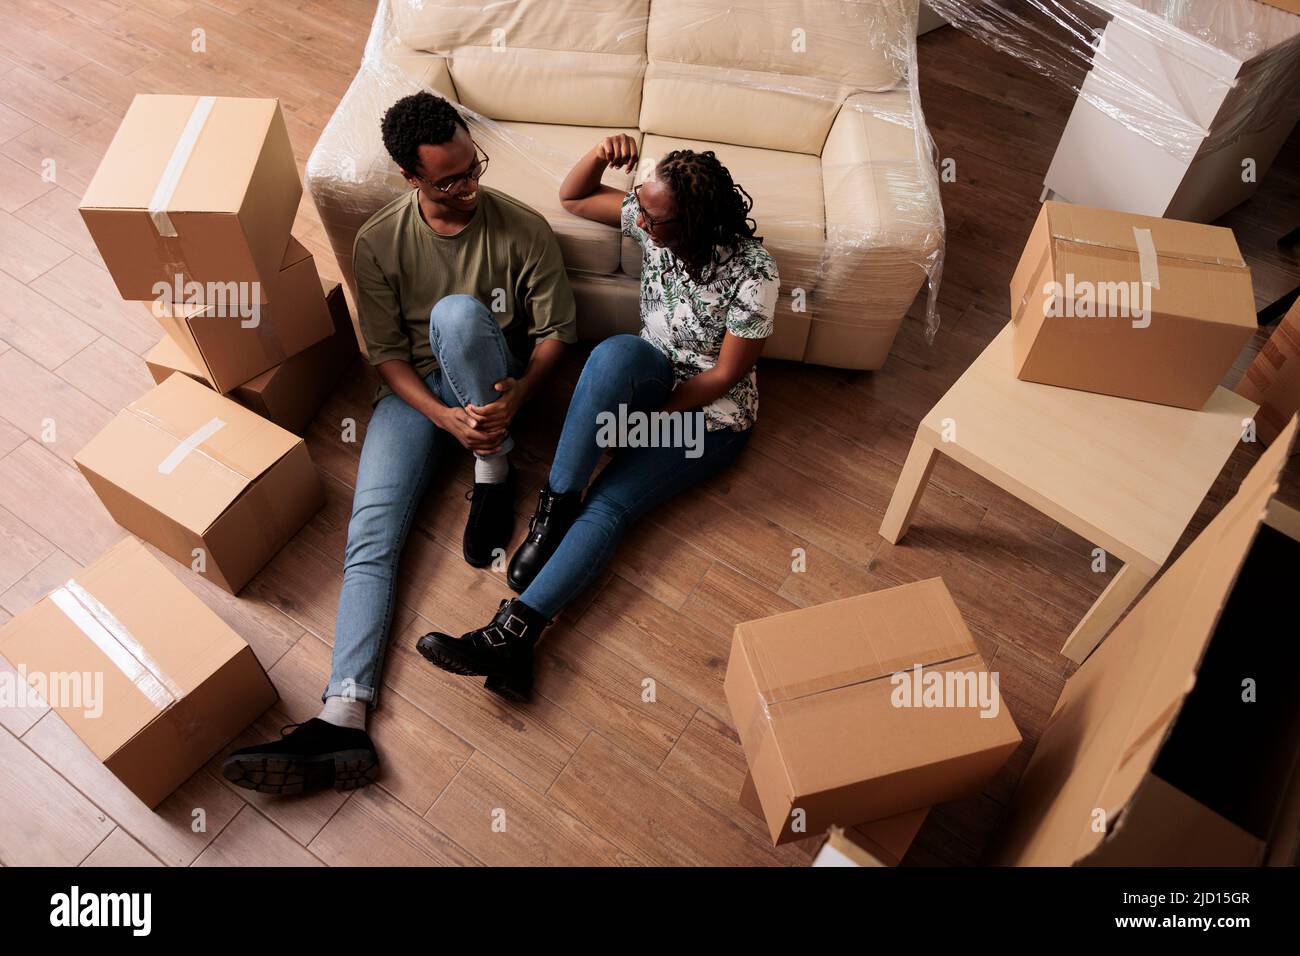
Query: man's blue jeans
{"type": "Point", "coordinates": [399, 456]}
{"type": "Point", "coordinates": [622, 370]}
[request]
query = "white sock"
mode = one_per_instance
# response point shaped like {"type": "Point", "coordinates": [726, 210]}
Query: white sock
{"type": "Point", "coordinates": [344, 712]}
{"type": "Point", "coordinates": [491, 471]}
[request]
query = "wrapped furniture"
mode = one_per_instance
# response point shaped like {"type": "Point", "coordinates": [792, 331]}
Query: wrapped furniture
{"type": "Point", "coordinates": [811, 104]}
{"type": "Point", "coordinates": [1182, 104]}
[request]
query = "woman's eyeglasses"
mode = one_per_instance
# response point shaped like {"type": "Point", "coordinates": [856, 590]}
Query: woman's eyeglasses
{"type": "Point", "coordinates": [474, 174]}
{"type": "Point", "coordinates": [650, 221]}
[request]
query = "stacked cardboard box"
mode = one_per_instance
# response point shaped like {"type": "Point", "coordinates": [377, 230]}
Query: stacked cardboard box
{"type": "Point", "coordinates": [292, 392]}
{"type": "Point", "coordinates": [191, 209]}
{"type": "Point", "coordinates": [865, 709]}
{"type": "Point", "coordinates": [1150, 309]}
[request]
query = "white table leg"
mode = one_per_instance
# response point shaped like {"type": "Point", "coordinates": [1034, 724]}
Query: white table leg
{"type": "Point", "coordinates": [1105, 611]}
{"type": "Point", "coordinates": [907, 492]}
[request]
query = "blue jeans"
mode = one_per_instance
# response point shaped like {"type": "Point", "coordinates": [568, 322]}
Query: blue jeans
{"type": "Point", "coordinates": [622, 370]}
{"type": "Point", "coordinates": [398, 458]}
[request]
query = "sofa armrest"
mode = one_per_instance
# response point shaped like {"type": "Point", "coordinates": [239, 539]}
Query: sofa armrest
{"type": "Point", "coordinates": [349, 173]}
{"type": "Point", "coordinates": [884, 220]}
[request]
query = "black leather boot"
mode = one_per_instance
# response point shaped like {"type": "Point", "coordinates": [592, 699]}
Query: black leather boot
{"type": "Point", "coordinates": [491, 520]}
{"type": "Point", "coordinates": [551, 521]}
{"type": "Point", "coordinates": [501, 650]}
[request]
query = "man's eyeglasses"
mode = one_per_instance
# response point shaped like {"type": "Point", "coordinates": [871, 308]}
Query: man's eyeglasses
{"type": "Point", "coordinates": [474, 173]}
{"type": "Point", "coordinates": [650, 221]}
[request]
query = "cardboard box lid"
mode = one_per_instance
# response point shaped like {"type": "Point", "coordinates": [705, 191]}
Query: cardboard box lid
{"type": "Point", "coordinates": [212, 177]}
{"type": "Point", "coordinates": [186, 451]}
{"type": "Point", "coordinates": [823, 676]}
{"type": "Point", "coordinates": [128, 618]}
{"type": "Point", "coordinates": [1117, 710]}
{"type": "Point", "coordinates": [1196, 270]}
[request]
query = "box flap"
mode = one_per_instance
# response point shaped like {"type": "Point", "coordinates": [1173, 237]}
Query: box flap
{"type": "Point", "coordinates": [168, 354]}
{"type": "Point", "coordinates": [185, 450]}
{"type": "Point", "coordinates": [1116, 710]}
{"type": "Point", "coordinates": [868, 636]}
{"type": "Point", "coordinates": [129, 622]}
{"type": "Point", "coordinates": [212, 177]}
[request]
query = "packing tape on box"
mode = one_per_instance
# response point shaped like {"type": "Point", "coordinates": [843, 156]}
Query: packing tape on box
{"type": "Point", "coordinates": [189, 445]}
{"type": "Point", "coordinates": [269, 524]}
{"type": "Point", "coordinates": [180, 157]}
{"type": "Point", "coordinates": [167, 242]}
{"type": "Point", "coordinates": [1148, 261]}
{"type": "Point", "coordinates": [158, 424]}
{"type": "Point", "coordinates": [117, 643]}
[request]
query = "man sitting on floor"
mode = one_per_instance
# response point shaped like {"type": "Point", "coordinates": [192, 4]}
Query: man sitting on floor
{"type": "Point", "coordinates": [465, 308]}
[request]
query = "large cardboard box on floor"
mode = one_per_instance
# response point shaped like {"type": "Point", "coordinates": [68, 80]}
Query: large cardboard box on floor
{"type": "Point", "coordinates": [1273, 379]}
{"type": "Point", "coordinates": [1177, 743]}
{"type": "Point", "coordinates": [201, 187]}
{"type": "Point", "coordinates": [202, 478]}
{"type": "Point", "coordinates": [1150, 309]}
{"type": "Point", "coordinates": [864, 708]}
{"type": "Point", "coordinates": [229, 348]}
{"type": "Point", "coordinates": [148, 676]}
{"type": "Point", "coordinates": [291, 393]}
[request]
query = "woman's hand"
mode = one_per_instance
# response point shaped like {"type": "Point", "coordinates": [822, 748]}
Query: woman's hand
{"type": "Point", "coordinates": [618, 151]}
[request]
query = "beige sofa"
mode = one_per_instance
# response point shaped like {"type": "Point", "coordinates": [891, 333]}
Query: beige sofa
{"type": "Point", "coordinates": [810, 103]}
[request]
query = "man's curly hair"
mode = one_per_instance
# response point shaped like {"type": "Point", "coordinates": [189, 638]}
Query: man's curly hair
{"type": "Point", "coordinates": [712, 211]}
{"type": "Point", "coordinates": [421, 119]}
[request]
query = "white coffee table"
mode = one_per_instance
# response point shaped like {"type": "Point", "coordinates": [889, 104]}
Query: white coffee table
{"type": "Point", "coordinates": [1126, 475]}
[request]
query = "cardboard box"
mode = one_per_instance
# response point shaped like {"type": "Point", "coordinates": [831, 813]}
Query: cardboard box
{"type": "Point", "coordinates": [1177, 743]}
{"type": "Point", "coordinates": [1174, 298]}
{"type": "Point", "coordinates": [1209, 84]}
{"type": "Point", "coordinates": [1273, 379]}
{"type": "Point", "coordinates": [887, 840]}
{"type": "Point", "coordinates": [832, 709]}
{"type": "Point", "coordinates": [202, 478]}
{"type": "Point", "coordinates": [291, 393]}
{"type": "Point", "coordinates": [161, 682]}
{"type": "Point", "coordinates": [229, 349]}
{"type": "Point", "coordinates": [197, 186]}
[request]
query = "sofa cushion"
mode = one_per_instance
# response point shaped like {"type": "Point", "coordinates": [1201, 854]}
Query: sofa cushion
{"type": "Point", "coordinates": [530, 160]}
{"type": "Point", "coordinates": [771, 75]}
{"type": "Point", "coordinates": [527, 61]}
{"type": "Point", "coordinates": [788, 205]}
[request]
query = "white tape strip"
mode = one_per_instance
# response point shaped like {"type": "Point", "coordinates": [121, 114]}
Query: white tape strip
{"type": "Point", "coordinates": [107, 633]}
{"type": "Point", "coordinates": [1148, 262]}
{"type": "Point", "coordinates": [195, 439]}
{"type": "Point", "coordinates": [171, 176]}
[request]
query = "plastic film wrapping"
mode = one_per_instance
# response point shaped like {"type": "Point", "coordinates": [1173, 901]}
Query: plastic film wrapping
{"type": "Point", "coordinates": [811, 104]}
{"type": "Point", "coordinates": [1202, 81]}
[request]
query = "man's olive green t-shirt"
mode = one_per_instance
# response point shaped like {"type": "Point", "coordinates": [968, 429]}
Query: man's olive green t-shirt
{"type": "Point", "coordinates": [506, 257]}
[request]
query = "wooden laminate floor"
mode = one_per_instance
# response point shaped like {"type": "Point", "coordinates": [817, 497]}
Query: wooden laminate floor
{"type": "Point", "coordinates": [587, 773]}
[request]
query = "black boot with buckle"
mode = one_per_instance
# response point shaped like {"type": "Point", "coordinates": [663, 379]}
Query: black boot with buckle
{"type": "Point", "coordinates": [549, 524]}
{"type": "Point", "coordinates": [501, 650]}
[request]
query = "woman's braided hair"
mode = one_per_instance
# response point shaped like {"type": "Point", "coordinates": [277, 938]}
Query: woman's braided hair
{"type": "Point", "coordinates": [713, 212]}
